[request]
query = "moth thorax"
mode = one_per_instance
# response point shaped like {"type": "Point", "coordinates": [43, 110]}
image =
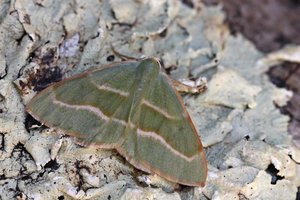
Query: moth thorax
{"type": "Point", "coordinates": [150, 68]}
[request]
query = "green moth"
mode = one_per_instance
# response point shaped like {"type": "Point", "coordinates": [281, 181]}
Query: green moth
{"type": "Point", "coordinates": [132, 107]}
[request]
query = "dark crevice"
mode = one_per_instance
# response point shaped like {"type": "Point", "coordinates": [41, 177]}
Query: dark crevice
{"type": "Point", "coordinates": [49, 56]}
{"type": "Point", "coordinates": [295, 2]}
{"type": "Point", "coordinates": [298, 163]}
{"type": "Point", "coordinates": [19, 40]}
{"type": "Point", "coordinates": [136, 173]}
{"type": "Point", "coordinates": [45, 77]}
{"type": "Point", "coordinates": [26, 19]}
{"type": "Point", "coordinates": [247, 137]}
{"type": "Point", "coordinates": [127, 25]}
{"type": "Point", "coordinates": [39, 4]}
{"type": "Point", "coordinates": [113, 14]}
{"type": "Point", "coordinates": [106, 179]}
{"type": "Point", "coordinates": [30, 57]}
{"type": "Point", "coordinates": [18, 192]}
{"type": "Point", "coordinates": [164, 33]}
{"type": "Point", "coordinates": [188, 3]}
{"type": "Point", "coordinates": [61, 197]}
{"type": "Point", "coordinates": [2, 177]}
{"type": "Point", "coordinates": [21, 70]}
{"type": "Point", "coordinates": [28, 60]}
{"type": "Point", "coordinates": [52, 165]}
{"type": "Point", "coordinates": [278, 79]}
{"type": "Point", "coordinates": [123, 24]}
{"type": "Point", "coordinates": [184, 30]}
{"type": "Point", "coordinates": [206, 197]}
{"type": "Point", "coordinates": [274, 173]}
{"type": "Point", "coordinates": [281, 40]}
{"type": "Point", "coordinates": [185, 191]}
{"type": "Point", "coordinates": [242, 197]}
{"type": "Point", "coordinates": [79, 165]}
{"type": "Point", "coordinates": [6, 72]}
{"type": "Point", "coordinates": [22, 156]}
{"type": "Point", "coordinates": [2, 141]}
{"type": "Point", "coordinates": [30, 121]}
{"type": "Point", "coordinates": [97, 35]}
{"type": "Point", "coordinates": [170, 69]}
{"type": "Point", "coordinates": [21, 151]}
{"type": "Point", "coordinates": [110, 58]}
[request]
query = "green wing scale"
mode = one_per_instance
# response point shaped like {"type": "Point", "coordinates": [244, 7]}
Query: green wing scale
{"type": "Point", "coordinates": [131, 107]}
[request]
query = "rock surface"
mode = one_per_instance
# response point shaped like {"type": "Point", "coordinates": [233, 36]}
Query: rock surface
{"type": "Point", "coordinates": [249, 152]}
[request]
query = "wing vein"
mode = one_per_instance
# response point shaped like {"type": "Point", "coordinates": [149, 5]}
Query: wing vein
{"type": "Point", "coordinates": [107, 87]}
{"type": "Point", "coordinates": [157, 137]}
{"type": "Point", "coordinates": [158, 109]}
{"type": "Point", "coordinates": [90, 108]}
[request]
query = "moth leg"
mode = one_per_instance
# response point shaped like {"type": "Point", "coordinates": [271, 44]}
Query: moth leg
{"type": "Point", "coordinates": [192, 87]}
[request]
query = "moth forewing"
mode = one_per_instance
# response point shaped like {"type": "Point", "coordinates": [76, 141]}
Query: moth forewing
{"type": "Point", "coordinates": [132, 107]}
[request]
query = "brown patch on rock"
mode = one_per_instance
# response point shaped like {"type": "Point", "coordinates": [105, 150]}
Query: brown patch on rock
{"type": "Point", "coordinates": [288, 75]}
{"type": "Point", "coordinates": [270, 24]}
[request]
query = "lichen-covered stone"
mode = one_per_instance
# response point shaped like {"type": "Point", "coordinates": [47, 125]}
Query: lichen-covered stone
{"type": "Point", "coordinates": [250, 155]}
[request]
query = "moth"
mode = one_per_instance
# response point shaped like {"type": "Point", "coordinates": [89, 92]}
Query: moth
{"type": "Point", "coordinates": [132, 107]}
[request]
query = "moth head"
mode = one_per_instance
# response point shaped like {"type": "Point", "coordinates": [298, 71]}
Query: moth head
{"type": "Point", "coordinates": [150, 66]}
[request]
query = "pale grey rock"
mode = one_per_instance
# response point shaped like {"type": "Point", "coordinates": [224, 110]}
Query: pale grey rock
{"type": "Point", "coordinates": [125, 11]}
{"type": "Point", "coordinates": [261, 188]}
{"type": "Point", "coordinates": [69, 46]}
{"type": "Point", "coordinates": [289, 53]}
{"type": "Point", "coordinates": [216, 126]}
{"type": "Point", "coordinates": [227, 88]}
{"type": "Point", "coordinates": [39, 145]}
{"type": "Point", "coordinates": [148, 193]}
